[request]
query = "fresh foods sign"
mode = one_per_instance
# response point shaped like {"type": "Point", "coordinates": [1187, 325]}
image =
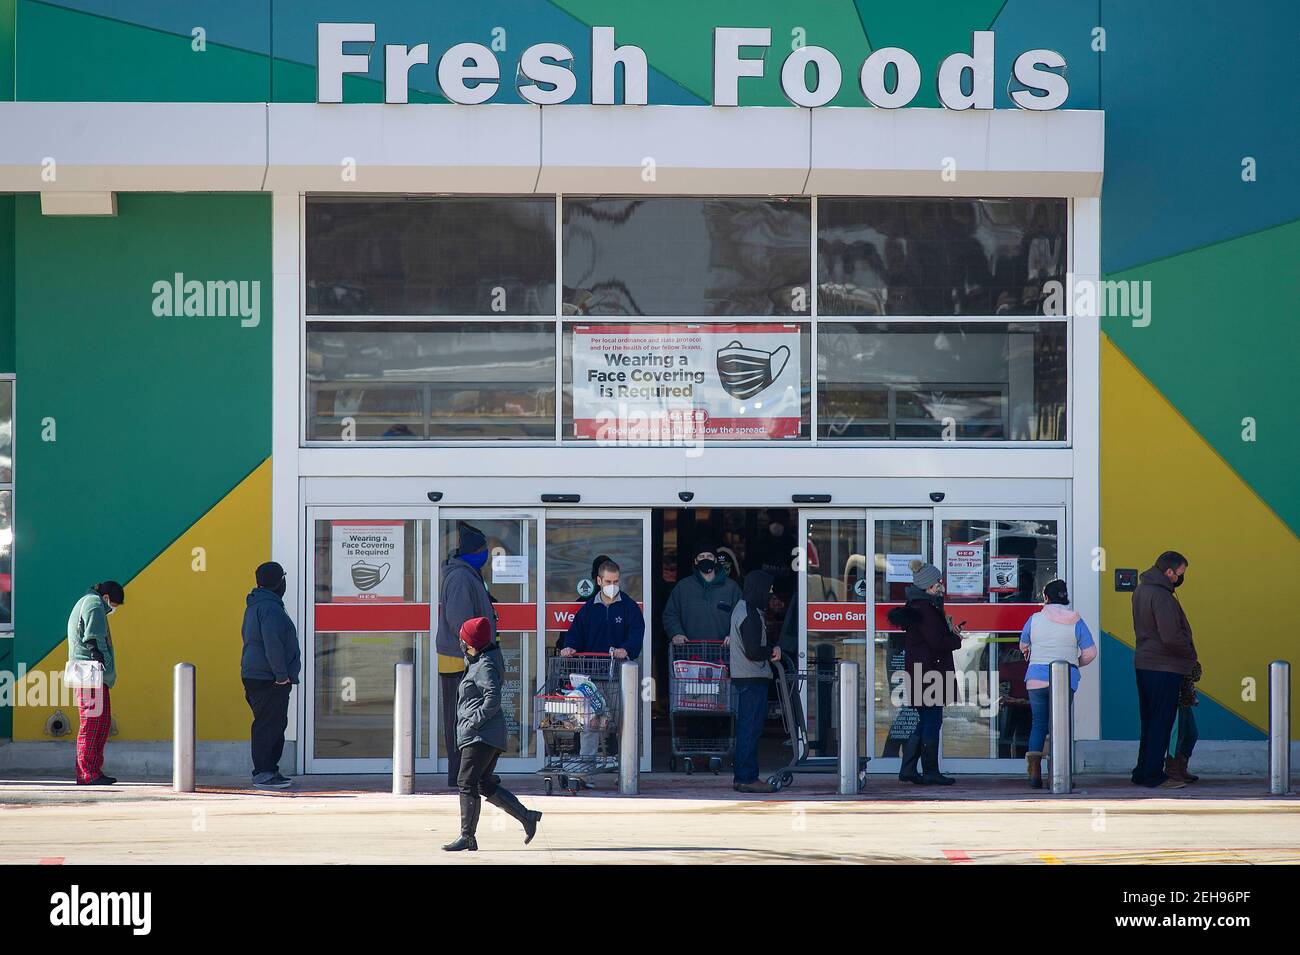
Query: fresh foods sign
{"type": "Point", "coordinates": [811, 76]}
{"type": "Point", "coordinates": [649, 384]}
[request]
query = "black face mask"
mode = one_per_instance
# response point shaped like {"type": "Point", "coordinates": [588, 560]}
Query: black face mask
{"type": "Point", "coordinates": [280, 588]}
{"type": "Point", "coordinates": [707, 566]}
{"type": "Point", "coordinates": [1179, 582]}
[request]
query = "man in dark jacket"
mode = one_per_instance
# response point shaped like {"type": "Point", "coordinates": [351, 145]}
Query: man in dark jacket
{"type": "Point", "coordinates": [610, 620]}
{"type": "Point", "coordinates": [927, 655]}
{"type": "Point", "coordinates": [269, 666]}
{"type": "Point", "coordinates": [462, 596]}
{"type": "Point", "coordinates": [1165, 655]}
{"type": "Point", "coordinates": [699, 608]}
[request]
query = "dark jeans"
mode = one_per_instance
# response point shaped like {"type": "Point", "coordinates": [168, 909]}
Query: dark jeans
{"type": "Point", "coordinates": [1040, 704]}
{"type": "Point", "coordinates": [751, 707]}
{"type": "Point", "coordinates": [269, 702]}
{"type": "Point", "coordinates": [931, 719]}
{"type": "Point", "coordinates": [1157, 707]}
{"type": "Point", "coordinates": [476, 776]}
{"type": "Point", "coordinates": [1187, 735]}
{"type": "Point", "coordinates": [448, 688]}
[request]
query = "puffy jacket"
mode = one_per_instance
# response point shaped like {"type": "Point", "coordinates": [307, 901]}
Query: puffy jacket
{"type": "Point", "coordinates": [463, 596]}
{"type": "Point", "coordinates": [1164, 637]}
{"type": "Point", "coordinates": [479, 717]}
{"type": "Point", "coordinates": [928, 642]}
{"type": "Point", "coordinates": [701, 611]}
{"type": "Point", "coordinates": [271, 649]}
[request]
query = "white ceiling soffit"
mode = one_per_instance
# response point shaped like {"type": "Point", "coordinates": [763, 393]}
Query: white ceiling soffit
{"type": "Point", "coordinates": [414, 147]}
{"type": "Point", "coordinates": [674, 149]}
{"type": "Point", "coordinates": [132, 147]}
{"type": "Point", "coordinates": [922, 152]}
{"type": "Point", "coordinates": [151, 147]}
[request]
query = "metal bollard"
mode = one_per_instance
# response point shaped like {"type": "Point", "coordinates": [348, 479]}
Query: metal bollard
{"type": "Point", "coordinates": [403, 730]}
{"type": "Point", "coordinates": [848, 728]}
{"type": "Point", "coordinates": [629, 741]}
{"type": "Point", "coordinates": [1279, 728]}
{"type": "Point", "coordinates": [183, 728]}
{"type": "Point", "coordinates": [1062, 749]}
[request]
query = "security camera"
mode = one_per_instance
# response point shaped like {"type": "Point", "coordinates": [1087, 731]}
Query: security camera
{"type": "Point", "coordinates": [936, 496]}
{"type": "Point", "coordinates": [686, 496]}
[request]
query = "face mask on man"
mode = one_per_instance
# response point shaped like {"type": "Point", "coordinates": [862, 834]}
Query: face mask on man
{"type": "Point", "coordinates": [706, 568]}
{"type": "Point", "coordinates": [475, 560]}
{"type": "Point", "coordinates": [610, 590]}
{"type": "Point", "coordinates": [1179, 582]}
{"type": "Point", "coordinates": [109, 608]}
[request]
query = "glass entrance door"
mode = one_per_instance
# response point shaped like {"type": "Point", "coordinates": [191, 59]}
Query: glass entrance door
{"type": "Point", "coordinates": [574, 539]}
{"type": "Point", "coordinates": [369, 607]}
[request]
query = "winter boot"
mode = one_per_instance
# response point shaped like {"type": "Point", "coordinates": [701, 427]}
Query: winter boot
{"type": "Point", "coordinates": [930, 775]}
{"type": "Point", "coordinates": [509, 803]}
{"type": "Point", "coordinates": [469, 810]}
{"type": "Point", "coordinates": [1034, 765]}
{"type": "Point", "coordinates": [911, 753]}
{"type": "Point", "coordinates": [1176, 768]}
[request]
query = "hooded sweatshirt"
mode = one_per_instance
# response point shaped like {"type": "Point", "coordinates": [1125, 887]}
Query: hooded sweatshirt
{"type": "Point", "coordinates": [758, 584]}
{"type": "Point", "coordinates": [1164, 637]}
{"type": "Point", "coordinates": [1055, 633]}
{"type": "Point", "coordinates": [463, 596]}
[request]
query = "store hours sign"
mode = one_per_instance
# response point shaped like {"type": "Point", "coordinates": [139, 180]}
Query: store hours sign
{"type": "Point", "coordinates": [469, 73]}
{"type": "Point", "coordinates": [367, 560]}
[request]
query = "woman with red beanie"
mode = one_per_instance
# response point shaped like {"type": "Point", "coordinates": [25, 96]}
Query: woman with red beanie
{"type": "Point", "coordinates": [481, 736]}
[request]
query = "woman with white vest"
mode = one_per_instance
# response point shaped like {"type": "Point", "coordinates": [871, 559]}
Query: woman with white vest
{"type": "Point", "coordinates": [1054, 633]}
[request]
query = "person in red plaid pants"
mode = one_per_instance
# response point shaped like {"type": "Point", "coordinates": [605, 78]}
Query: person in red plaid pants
{"type": "Point", "coordinates": [96, 718]}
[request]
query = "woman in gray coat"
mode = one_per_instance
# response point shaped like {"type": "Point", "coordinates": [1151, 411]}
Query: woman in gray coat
{"type": "Point", "coordinates": [481, 736]}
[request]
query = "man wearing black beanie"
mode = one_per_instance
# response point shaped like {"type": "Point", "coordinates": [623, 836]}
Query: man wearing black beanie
{"type": "Point", "coordinates": [269, 666]}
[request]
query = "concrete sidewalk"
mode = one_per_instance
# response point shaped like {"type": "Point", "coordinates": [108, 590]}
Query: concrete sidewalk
{"type": "Point", "coordinates": [676, 819]}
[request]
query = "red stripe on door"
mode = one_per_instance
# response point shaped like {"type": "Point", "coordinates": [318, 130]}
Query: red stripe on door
{"type": "Point", "coordinates": [372, 618]}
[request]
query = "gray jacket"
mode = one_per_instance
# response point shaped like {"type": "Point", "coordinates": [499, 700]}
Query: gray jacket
{"type": "Point", "coordinates": [701, 611]}
{"type": "Point", "coordinates": [462, 596]}
{"type": "Point", "coordinates": [742, 667]}
{"type": "Point", "coordinates": [479, 717]}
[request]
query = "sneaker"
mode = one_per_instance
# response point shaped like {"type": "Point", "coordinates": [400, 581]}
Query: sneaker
{"type": "Point", "coordinates": [757, 786]}
{"type": "Point", "coordinates": [1172, 784]}
{"type": "Point", "coordinates": [274, 781]}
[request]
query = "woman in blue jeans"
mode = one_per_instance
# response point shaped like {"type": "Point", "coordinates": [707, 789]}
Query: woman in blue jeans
{"type": "Point", "coordinates": [1054, 633]}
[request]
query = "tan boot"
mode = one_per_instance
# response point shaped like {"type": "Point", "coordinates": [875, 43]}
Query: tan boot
{"type": "Point", "coordinates": [1034, 765]}
{"type": "Point", "coordinates": [1182, 768]}
{"type": "Point", "coordinates": [1175, 768]}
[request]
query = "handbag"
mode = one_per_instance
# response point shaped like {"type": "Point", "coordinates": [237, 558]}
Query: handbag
{"type": "Point", "coordinates": [83, 674]}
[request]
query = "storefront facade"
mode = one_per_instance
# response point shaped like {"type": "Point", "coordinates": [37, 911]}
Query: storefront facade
{"type": "Point", "coordinates": [355, 307]}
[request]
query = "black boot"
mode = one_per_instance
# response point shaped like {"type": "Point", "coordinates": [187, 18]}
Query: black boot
{"type": "Point", "coordinates": [930, 774]}
{"type": "Point", "coordinates": [911, 753]}
{"type": "Point", "coordinates": [509, 803]}
{"type": "Point", "coordinates": [469, 810]}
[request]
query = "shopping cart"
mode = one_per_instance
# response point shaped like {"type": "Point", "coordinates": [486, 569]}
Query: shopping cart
{"type": "Point", "coordinates": [702, 723]}
{"type": "Point", "coordinates": [822, 682]}
{"type": "Point", "coordinates": [577, 711]}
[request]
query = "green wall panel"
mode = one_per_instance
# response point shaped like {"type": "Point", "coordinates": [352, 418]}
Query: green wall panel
{"type": "Point", "coordinates": [155, 418]}
{"type": "Point", "coordinates": [8, 47]}
{"type": "Point", "coordinates": [7, 203]}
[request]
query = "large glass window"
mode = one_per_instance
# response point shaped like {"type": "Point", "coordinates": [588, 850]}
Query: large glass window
{"type": "Point", "coordinates": [656, 383]}
{"type": "Point", "coordinates": [686, 256]}
{"type": "Point", "coordinates": [938, 256]}
{"type": "Point", "coordinates": [431, 256]}
{"type": "Point", "coordinates": [942, 381]}
{"type": "Point", "coordinates": [412, 381]}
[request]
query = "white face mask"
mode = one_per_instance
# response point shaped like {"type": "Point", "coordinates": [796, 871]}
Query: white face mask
{"type": "Point", "coordinates": [610, 590]}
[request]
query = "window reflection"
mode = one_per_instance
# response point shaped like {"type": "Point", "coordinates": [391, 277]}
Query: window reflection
{"type": "Point", "coordinates": [938, 256]}
{"type": "Point", "coordinates": [412, 381]}
{"type": "Point", "coordinates": [684, 256]}
{"type": "Point", "coordinates": [431, 256]}
{"type": "Point", "coordinates": [967, 381]}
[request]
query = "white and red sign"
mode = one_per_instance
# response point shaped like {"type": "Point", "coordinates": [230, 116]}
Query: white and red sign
{"type": "Point", "coordinates": [367, 561]}
{"type": "Point", "coordinates": [654, 384]}
{"type": "Point", "coordinates": [1004, 575]}
{"type": "Point", "coordinates": [964, 569]}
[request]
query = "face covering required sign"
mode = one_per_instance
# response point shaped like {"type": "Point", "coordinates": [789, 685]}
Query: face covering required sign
{"type": "Point", "coordinates": [367, 561]}
{"type": "Point", "coordinates": [656, 384]}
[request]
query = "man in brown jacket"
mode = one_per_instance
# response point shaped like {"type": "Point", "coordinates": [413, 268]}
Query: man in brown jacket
{"type": "Point", "coordinates": [1165, 654]}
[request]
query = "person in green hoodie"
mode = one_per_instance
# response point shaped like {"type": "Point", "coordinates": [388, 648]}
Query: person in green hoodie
{"type": "Point", "coordinates": [699, 608]}
{"type": "Point", "coordinates": [89, 639]}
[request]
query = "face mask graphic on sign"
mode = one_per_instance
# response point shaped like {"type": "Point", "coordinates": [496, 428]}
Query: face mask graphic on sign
{"type": "Point", "coordinates": [747, 371]}
{"type": "Point", "coordinates": [368, 576]}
